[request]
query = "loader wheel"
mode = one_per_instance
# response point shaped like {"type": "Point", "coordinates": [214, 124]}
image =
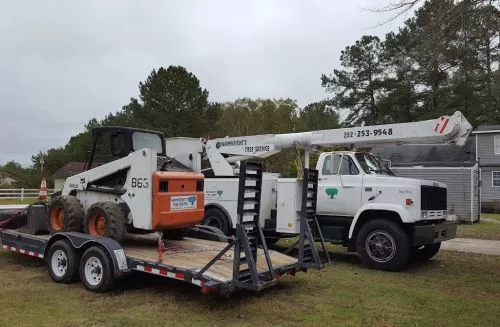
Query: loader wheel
{"type": "Point", "coordinates": [383, 245]}
{"type": "Point", "coordinates": [65, 214]}
{"type": "Point", "coordinates": [63, 262]}
{"type": "Point", "coordinates": [105, 219]}
{"type": "Point", "coordinates": [96, 270]}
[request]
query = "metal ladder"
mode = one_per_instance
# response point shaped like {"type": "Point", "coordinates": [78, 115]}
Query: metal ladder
{"type": "Point", "coordinates": [309, 227]}
{"type": "Point", "coordinates": [249, 238]}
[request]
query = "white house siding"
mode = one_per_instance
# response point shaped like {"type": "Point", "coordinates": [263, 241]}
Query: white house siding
{"type": "Point", "coordinates": [459, 183]}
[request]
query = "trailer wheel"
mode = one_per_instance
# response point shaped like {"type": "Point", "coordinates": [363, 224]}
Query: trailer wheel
{"type": "Point", "coordinates": [65, 214]}
{"type": "Point", "coordinates": [216, 218]}
{"type": "Point", "coordinates": [105, 219]}
{"type": "Point", "coordinates": [425, 252]}
{"type": "Point", "coordinates": [383, 245]}
{"type": "Point", "coordinates": [96, 270]}
{"type": "Point", "coordinates": [63, 262]}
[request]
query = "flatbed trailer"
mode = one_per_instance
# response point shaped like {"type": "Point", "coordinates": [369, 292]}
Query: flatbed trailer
{"type": "Point", "coordinates": [207, 258]}
{"type": "Point", "coordinates": [181, 259]}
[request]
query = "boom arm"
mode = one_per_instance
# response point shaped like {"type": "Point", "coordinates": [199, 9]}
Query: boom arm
{"type": "Point", "coordinates": [446, 129]}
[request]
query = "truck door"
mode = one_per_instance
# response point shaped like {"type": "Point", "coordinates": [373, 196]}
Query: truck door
{"type": "Point", "coordinates": [339, 189]}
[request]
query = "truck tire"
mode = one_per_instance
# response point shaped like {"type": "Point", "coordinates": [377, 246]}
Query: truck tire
{"type": "Point", "coordinates": [65, 214]}
{"type": "Point", "coordinates": [216, 218]}
{"type": "Point", "coordinates": [425, 252]}
{"type": "Point", "coordinates": [383, 245]}
{"type": "Point", "coordinates": [63, 261]}
{"type": "Point", "coordinates": [105, 219]}
{"type": "Point", "coordinates": [96, 270]}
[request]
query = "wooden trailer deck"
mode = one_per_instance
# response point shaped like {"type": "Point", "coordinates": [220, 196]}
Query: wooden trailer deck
{"type": "Point", "coordinates": [188, 254]}
{"type": "Point", "coordinates": [193, 254]}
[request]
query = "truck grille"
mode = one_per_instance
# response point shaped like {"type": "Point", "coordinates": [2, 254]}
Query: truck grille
{"type": "Point", "coordinates": [433, 198]}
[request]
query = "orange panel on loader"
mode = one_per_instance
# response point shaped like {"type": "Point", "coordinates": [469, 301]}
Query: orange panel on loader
{"type": "Point", "coordinates": [178, 200]}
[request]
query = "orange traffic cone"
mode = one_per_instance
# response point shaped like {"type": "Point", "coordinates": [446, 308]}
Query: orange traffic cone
{"type": "Point", "coordinates": [42, 195]}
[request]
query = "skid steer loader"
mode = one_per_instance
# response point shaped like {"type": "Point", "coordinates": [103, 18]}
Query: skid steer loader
{"type": "Point", "coordinates": [129, 185]}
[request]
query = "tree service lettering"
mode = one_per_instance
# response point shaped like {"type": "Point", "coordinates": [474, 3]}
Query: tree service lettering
{"type": "Point", "coordinates": [257, 148]}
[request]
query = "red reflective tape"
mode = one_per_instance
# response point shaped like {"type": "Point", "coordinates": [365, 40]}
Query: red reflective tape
{"type": "Point", "coordinates": [444, 126]}
{"type": "Point", "coordinates": [36, 254]}
{"type": "Point", "coordinates": [163, 272]}
{"type": "Point", "coordinates": [179, 275]}
{"type": "Point", "coordinates": [436, 128]}
{"type": "Point", "coordinates": [148, 269]}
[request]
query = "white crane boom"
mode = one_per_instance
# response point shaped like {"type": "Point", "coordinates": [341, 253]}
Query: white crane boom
{"type": "Point", "coordinates": [446, 129]}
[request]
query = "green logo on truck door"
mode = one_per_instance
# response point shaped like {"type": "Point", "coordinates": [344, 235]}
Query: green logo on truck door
{"type": "Point", "coordinates": [332, 192]}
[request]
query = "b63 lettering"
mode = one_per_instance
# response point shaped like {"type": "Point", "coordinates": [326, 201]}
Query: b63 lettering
{"type": "Point", "coordinates": [140, 182]}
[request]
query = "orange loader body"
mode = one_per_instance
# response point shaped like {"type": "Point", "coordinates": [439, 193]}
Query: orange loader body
{"type": "Point", "coordinates": [178, 200]}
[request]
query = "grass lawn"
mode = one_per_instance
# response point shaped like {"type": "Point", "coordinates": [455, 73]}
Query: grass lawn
{"type": "Point", "coordinates": [17, 201]}
{"type": "Point", "coordinates": [483, 230]}
{"type": "Point", "coordinates": [495, 216]}
{"type": "Point", "coordinates": [454, 289]}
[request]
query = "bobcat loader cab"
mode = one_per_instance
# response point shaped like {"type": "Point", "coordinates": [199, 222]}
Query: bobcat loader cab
{"type": "Point", "coordinates": [360, 204]}
{"type": "Point", "coordinates": [129, 184]}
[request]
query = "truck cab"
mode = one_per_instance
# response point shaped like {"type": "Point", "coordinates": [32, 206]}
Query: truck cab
{"type": "Point", "coordinates": [364, 206]}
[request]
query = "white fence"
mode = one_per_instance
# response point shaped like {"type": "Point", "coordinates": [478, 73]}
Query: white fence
{"type": "Point", "coordinates": [21, 193]}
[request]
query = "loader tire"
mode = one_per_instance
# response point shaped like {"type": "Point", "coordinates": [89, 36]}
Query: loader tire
{"type": "Point", "coordinates": [105, 219]}
{"type": "Point", "coordinates": [65, 214]}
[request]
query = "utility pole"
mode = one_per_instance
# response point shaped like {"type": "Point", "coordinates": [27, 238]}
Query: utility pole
{"type": "Point", "coordinates": [41, 163]}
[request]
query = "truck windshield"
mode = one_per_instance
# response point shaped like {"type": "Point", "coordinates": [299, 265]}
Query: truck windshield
{"type": "Point", "coordinates": [372, 164]}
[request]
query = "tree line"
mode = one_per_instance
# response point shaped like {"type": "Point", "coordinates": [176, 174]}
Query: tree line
{"type": "Point", "coordinates": [444, 58]}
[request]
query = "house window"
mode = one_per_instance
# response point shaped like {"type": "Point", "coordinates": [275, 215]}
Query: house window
{"type": "Point", "coordinates": [497, 144]}
{"type": "Point", "coordinates": [496, 178]}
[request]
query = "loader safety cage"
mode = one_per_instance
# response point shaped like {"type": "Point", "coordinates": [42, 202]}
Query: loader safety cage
{"type": "Point", "coordinates": [216, 263]}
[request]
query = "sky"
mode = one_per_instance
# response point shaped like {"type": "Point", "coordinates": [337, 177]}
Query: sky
{"type": "Point", "coordinates": [65, 62]}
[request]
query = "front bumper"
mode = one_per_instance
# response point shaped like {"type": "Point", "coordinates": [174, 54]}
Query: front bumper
{"type": "Point", "coordinates": [434, 233]}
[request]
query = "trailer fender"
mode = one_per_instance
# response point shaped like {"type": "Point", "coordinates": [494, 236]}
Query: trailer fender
{"type": "Point", "coordinates": [400, 210]}
{"type": "Point", "coordinates": [82, 241]}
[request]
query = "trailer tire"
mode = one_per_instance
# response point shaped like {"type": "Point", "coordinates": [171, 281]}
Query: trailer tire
{"type": "Point", "coordinates": [96, 270]}
{"type": "Point", "coordinates": [105, 219]}
{"type": "Point", "coordinates": [425, 252]}
{"type": "Point", "coordinates": [216, 218]}
{"type": "Point", "coordinates": [383, 245]}
{"type": "Point", "coordinates": [65, 214]}
{"type": "Point", "coordinates": [62, 262]}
